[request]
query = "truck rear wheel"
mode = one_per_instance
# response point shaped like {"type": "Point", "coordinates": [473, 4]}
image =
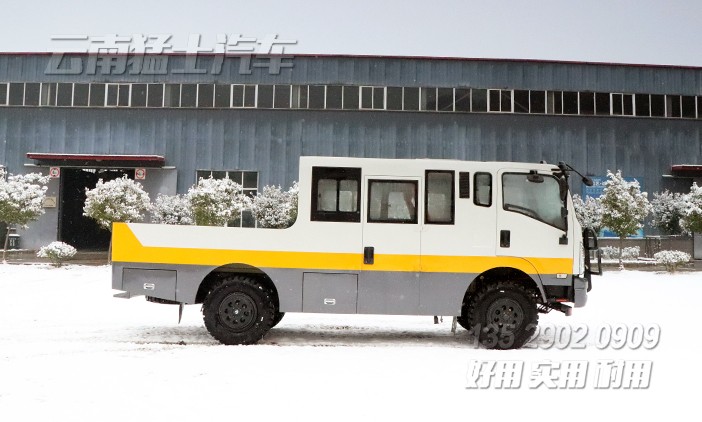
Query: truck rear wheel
{"type": "Point", "coordinates": [505, 313]}
{"type": "Point", "coordinates": [239, 310]}
{"type": "Point", "coordinates": [278, 317]}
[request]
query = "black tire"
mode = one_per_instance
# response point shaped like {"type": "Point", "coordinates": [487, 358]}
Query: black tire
{"type": "Point", "coordinates": [505, 313]}
{"type": "Point", "coordinates": [464, 322]}
{"type": "Point", "coordinates": [239, 310]}
{"type": "Point", "coordinates": [277, 318]}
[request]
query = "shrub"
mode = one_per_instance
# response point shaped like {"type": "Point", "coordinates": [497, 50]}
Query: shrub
{"type": "Point", "coordinates": [274, 208]}
{"type": "Point", "coordinates": [215, 202]}
{"type": "Point", "coordinates": [612, 252]}
{"type": "Point", "coordinates": [172, 210]}
{"type": "Point", "coordinates": [119, 200]}
{"type": "Point", "coordinates": [57, 252]}
{"type": "Point", "coordinates": [672, 260]}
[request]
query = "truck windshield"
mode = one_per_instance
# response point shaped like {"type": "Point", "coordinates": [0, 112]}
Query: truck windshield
{"type": "Point", "coordinates": [540, 200]}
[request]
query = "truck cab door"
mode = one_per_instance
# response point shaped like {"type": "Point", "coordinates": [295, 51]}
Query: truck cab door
{"type": "Point", "coordinates": [389, 282]}
{"type": "Point", "coordinates": [532, 223]}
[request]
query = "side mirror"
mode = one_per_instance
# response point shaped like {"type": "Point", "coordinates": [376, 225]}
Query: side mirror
{"type": "Point", "coordinates": [590, 239]}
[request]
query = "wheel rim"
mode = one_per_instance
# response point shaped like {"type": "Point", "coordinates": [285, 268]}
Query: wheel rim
{"type": "Point", "coordinates": [505, 312]}
{"type": "Point", "coordinates": [238, 312]}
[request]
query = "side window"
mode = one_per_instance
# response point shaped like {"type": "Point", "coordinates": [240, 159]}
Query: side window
{"type": "Point", "coordinates": [392, 201]}
{"type": "Point", "coordinates": [336, 194]}
{"type": "Point", "coordinates": [535, 196]}
{"type": "Point", "coordinates": [482, 186]}
{"type": "Point", "coordinates": [439, 207]}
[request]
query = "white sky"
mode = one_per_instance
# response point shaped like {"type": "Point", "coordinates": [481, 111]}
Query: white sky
{"type": "Point", "coordinates": [641, 31]}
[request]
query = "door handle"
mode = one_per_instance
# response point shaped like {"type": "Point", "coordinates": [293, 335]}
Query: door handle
{"type": "Point", "coordinates": [504, 238]}
{"type": "Point", "coordinates": [368, 255]}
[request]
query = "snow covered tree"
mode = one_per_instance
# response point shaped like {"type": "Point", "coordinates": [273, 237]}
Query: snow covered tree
{"type": "Point", "coordinates": [691, 221]}
{"type": "Point", "coordinates": [624, 207]}
{"type": "Point", "coordinates": [666, 211]}
{"type": "Point", "coordinates": [274, 208]}
{"type": "Point", "coordinates": [21, 200]}
{"type": "Point", "coordinates": [172, 210]}
{"type": "Point", "coordinates": [214, 202]}
{"type": "Point", "coordinates": [588, 212]}
{"type": "Point", "coordinates": [119, 200]}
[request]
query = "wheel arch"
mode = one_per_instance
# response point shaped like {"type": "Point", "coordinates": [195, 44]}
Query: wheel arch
{"type": "Point", "coordinates": [494, 275]}
{"type": "Point", "coordinates": [217, 274]}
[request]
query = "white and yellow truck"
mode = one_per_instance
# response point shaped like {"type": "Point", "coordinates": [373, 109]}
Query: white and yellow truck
{"type": "Point", "coordinates": [492, 243]}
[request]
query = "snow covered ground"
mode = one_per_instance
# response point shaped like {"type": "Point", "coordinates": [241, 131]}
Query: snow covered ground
{"type": "Point", "coordinates": [71, 352]}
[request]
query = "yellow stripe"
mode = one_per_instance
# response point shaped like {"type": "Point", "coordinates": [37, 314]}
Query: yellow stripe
{"type": "Point", "coordinates": [127, 248]}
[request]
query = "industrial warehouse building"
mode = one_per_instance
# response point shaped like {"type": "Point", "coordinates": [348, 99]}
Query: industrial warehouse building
{"type": "Point", "coordinates": [169, 119]}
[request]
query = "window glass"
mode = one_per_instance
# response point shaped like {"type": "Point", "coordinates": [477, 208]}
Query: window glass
{"type": "Point", "coordinates": [123, 95]}
{"type": "Point", "coordinates": [171, 97]}
{"type": "Point", "coordinates": [379, 98]}
{"type": "Point", "coordinates": [223, 95]}
{"type": "Point", "coordinates": [479, 100]}
{"type": "Point", "coordinates": [316, 96]}
{"type": "Point", "coordinates": [334, 97]}
{"type": "Point", "coordinates": [31, 94]}
{"type": "Point", "coordinates": [444, 99]}
{"type": "Point", "coordinates": [570, 102]}
{"type": "Point", "coordinates": [587, 103]}
{"type": "Point", "coordinates": [540, 200]}
{"type": "Point", "coordinates": [537, 101]}
{"type": "Point", "coordinates": [112, 92]}
{"type": "Point", "coordinates": [65, 95]}
{"type": "Point", "coordinates": [439, 197]}
{"type": "Point", "coordinates": [97, 95]}
{"type": "Point", "coordinates": [482, 185]}
{"type": "Point", "coordinates": [688, 106]}
{"type": "Point", "coordinates": [643, 105]}
{"type": "Point", "coordinates": [521, 101]}
{"type": "Point", "coordinates": [462, 99]}
{"type": "Point", "coordinates": [428, 100]}
{"type": "Point", "coordinates": [392, 201]}
{"type": "Point", "coordinates": [602, 104]}
{"type": "Point", "coordinates": [394, 98]}
{"type": "Point", "coordinates": [672, 105]}
{"type": "Point", "coordinates": [81, 94]}
{"type": "Point", "coordinates": [350, 98]}
{"type": "Point", "coordinates": [205, 95]}
{"type": "Point", "coordinates": [336, 194]}
{"type": "Point", "coordinates": [505, 101]}
{"type": "Point", "coordinates": [657, 105]}
{"type": "Point", "coordinates": [282, 96]}
{"type": "Point", "coordinates": [411, 99]}
{"type": "Point", "coordinates": [48, 94]}
{"type": "Point", "coordinates": [188, 95]}
{"type": "Point", "coordinates": [494, 97]}
{"type": "Point", "coordinates": [16, 94]}
{"type": "Point", "coordinates": [265, 96]}
{"type": "Point", "coordinates": [249, 96]}
{"type": "Point", "coordinates": [299, 96]}
{"type": "Point", "coordinates": [155, 95]}
{"type": "Point", "coordinates": [3, 94]}
{"type": "Point", "coordinates": [138, 95]}
{"type": "Point", "coordinates": [367, 97]}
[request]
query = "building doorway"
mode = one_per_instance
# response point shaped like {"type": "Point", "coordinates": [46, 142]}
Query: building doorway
{"type": "Point", "coordinates": [82, 232]}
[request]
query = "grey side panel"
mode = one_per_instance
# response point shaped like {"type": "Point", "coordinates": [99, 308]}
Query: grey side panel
{"type": "Point", "coordinates": [156, 283]}
{"type": "Point", "coordinates": [389, 293]}
{"type": "Point", "coordinates": [288, 282]}
{"type": "Point", "coordinates": [442, 294]}
{"type": "Point", "coordinates": [329, 293]}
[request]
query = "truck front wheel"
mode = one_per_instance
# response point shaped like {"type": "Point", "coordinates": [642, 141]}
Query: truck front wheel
{"type": "Point", "coordinates": [505, 314]}
{"type": "Point", "coordinates": [239, 310]}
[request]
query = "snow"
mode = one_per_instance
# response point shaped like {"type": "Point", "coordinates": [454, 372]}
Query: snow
{"type": "Point", "coordinates": [70, 351]}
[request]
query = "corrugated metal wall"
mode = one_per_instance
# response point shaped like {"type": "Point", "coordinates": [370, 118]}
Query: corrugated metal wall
{"type": "Point", "coordinates": [272, 140]}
